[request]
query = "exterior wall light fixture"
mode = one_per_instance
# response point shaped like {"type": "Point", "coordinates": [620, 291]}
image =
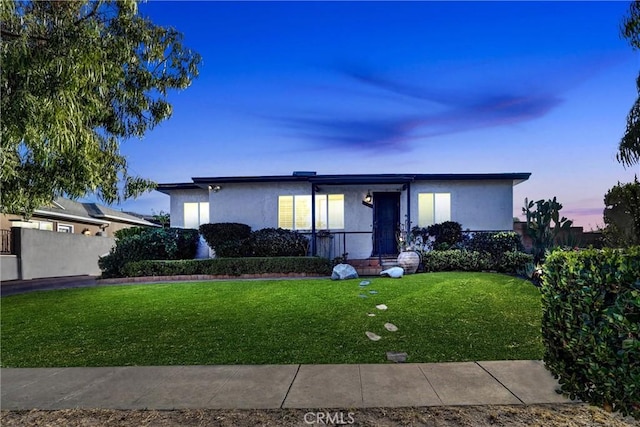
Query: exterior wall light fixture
{"type": "Point", "coordinates": [368, 198]}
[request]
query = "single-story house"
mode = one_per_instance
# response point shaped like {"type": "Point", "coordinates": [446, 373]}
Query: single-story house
{"type": "Point", "coordinates": [361, 213]}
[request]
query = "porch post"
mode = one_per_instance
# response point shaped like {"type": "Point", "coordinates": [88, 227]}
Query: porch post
{"type": "Point", "coordinates": [408, 225]}
{"type": "Point", "coordinates": [313, 220]}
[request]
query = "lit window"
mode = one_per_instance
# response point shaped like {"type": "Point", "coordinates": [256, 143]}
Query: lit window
{"type": "Point", "coordinates": [335, 211]}
{"type": "Point", "coordinates": [196, 214]}
{"type": "Point", "coordinates": [285, 212]}
{"type": "Point", "coordinates": [433, 208]}
{"type": "Point", "coordinates": [302, 212]}
{"type": "Point", "coordinates": [294, 212]}
{"type": "Point", "coordinates": [45, 225]}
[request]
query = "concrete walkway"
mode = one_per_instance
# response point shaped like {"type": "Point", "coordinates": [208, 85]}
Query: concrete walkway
{"type": "Point", "coordinates": [520, 382]}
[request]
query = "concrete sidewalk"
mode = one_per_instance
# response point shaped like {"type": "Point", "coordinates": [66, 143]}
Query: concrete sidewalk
{"type": "Point", "coordinates": [520, 382]}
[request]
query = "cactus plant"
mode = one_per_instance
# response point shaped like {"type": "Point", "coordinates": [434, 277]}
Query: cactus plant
{"type": "Point", "coordinates": [539, 224]}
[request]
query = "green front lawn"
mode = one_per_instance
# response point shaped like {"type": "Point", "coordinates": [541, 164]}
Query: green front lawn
{"type": "Point", "coordinates": [440, 317]}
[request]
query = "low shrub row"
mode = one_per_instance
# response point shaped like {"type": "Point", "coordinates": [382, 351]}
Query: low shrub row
{"type": "Point", "coordinates": [455, 260]}
{"type": "Point", "coordinates": [510, 262]}
{"type": "Point", "coordinates": [230, 266]}
{"type": "Point", "coordinates": [591, 325]}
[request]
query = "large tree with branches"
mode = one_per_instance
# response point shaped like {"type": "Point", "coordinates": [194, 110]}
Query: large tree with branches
{"type": "Point", "coordinates": [77, 79]}
{"type": "Point", "coordinates": [629, 149]}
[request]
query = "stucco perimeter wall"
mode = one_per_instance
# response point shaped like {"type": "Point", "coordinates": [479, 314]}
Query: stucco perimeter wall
{"type": "Point", "coordinates": [9, 268]}
{"type": "Point", "coordinates": [476, 205]}
{"type": "Point", "coordinates": [179, 198]}
{"type": "Point", "coordinates": [50, 254]}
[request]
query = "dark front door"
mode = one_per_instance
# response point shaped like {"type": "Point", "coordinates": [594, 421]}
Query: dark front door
{"type": "Point", "coordinates": [386, 220]}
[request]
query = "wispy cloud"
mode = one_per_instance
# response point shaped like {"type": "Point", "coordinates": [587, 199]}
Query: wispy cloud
{"type": "Point", "coordinates": [432, 111]}
{"type": "Point", "coordinates": [364, 133]}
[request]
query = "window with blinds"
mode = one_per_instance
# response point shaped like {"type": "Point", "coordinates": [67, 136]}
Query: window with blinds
{"type": "Point", "coordinates": [294, 212]}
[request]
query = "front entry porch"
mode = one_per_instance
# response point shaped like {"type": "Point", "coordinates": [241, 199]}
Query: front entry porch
{"type": "Point", "coordinates": [372, 266]}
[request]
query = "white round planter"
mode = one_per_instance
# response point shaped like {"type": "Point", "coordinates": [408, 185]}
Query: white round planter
{"type": "Point", "coordinates": [409, 261]}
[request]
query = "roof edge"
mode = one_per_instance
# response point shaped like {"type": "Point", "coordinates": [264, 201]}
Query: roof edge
{"type": "Point", "coordinates": [204, 182]}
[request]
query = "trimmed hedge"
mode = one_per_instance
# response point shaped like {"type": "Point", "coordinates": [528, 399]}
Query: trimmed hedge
{"type": "Point", "coordinates": [456, 260]}
{"type": "Point", "coordinates": [230, 266]}
{"type": "Point", "coordinates": [495, 243]}
{"type": "Point", "coordinates": [462, 260]}
{"type": "Point", "coordinates": [277, 242]}
{"type": "Point", "coordinates": [511, 262]}
{"type": "Point", "coordinates": [591, 325]}
{"type": "Point", "coordinates": [148, 243]}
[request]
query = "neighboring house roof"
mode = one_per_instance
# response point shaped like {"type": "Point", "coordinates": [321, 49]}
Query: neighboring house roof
{"type": "Point", "coordinates": [91, 213]}
{"type": "Point", "coordinates": [312, 177]}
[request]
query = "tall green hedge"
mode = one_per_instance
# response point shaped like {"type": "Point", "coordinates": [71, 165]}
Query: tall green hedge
{"type": "Point", "coordinates": [233, 240]}
{"type": "Point", "coordinates": [591, 325]}
{"type": "Point", "coordinates": [148, 243]}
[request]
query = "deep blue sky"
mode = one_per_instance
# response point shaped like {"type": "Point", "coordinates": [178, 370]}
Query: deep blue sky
{"type": "Point", "coordinates": [400, 87]}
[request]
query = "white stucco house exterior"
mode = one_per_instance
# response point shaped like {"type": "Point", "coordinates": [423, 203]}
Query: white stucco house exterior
{"type": "Point", "coordinates": [361, 213]}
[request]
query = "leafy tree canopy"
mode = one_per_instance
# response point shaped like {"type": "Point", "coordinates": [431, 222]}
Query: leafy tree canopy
{"type": "Point", "coordinates": [629, 148]}
{"type": "Point", "coordinates": [77, 79]}
{"type": "Point", "coordinates": [622, 215]}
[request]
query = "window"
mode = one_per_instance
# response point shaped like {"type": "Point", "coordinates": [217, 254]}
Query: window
{"type": "Point", "coordinates": [38, 225]}
{"type": "Point", "coordinates": [433, 208]}
{"type": "Point", "coordinates": [45, 225]}
{"type": "Point", "coordinates": [294, 212]}
{"type": "Point", "coordinates": [65, 228]}
{"type": "Point", "coordinates": [196, 214]}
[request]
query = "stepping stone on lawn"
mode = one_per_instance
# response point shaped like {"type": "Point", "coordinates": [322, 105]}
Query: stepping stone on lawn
{"type": "Point", "coordinates": [363, 296]}
{"type": "Point", "coordinates": [390, 327]}
{"type": "Point", "coordinates": [395, 356]}
{"type": "Point", "coordinates": [365, 283]}
{"type": "Point", "coordinates": [381, 307]}
{"type": "Point", "coordinates": [371, 315]}
{"type": "Point", "coordinates": [373, 292]}
{"type": "Point", "coordinates": [372, 336]}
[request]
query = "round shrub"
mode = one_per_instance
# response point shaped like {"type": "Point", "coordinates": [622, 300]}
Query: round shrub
{"type": "Point", "coordinates": [224, 232]}
{"type": "Point", "coordinates": [270, 242]}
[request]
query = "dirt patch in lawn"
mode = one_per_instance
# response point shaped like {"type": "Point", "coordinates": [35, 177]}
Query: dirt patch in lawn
{"type": "Point", "coordinates": [577, 415]}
